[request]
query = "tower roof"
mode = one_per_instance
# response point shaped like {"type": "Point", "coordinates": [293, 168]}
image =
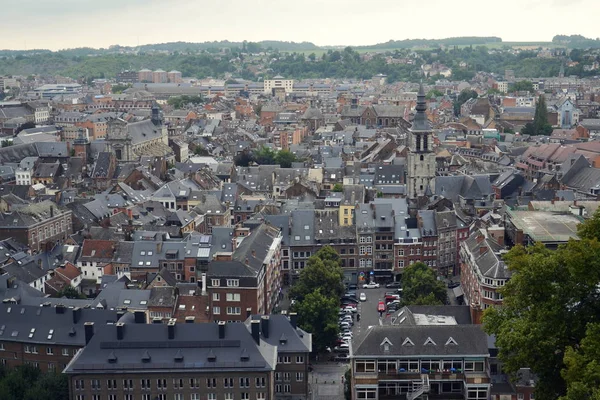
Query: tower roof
{"type": "Point", "coordinates": [420, 122]}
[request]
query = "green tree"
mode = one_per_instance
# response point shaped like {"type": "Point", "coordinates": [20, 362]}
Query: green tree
{"type": "Point", "coordinates": [318, 314]}
{"type": "Point", "coordinates": [118, 88]}
{"type": "Point", "coordinates": [285, 158]}
{"type": "Point", "coordinates": [421, 287]}
{"type": "Point", "coordinates": [582, 367]}
{"type": "Point", "coordinates": [462, 98]}
{"type": "Point", "coordinates": [550, 303]}
{"type": "Point", "coordinates": [70, 293]}
{"type": "Point", "coordinates": [325, 275]}
{"type": "Point", "coordinates": [521, 86]}
{"type": "Point", "coordinates": [540, 120]}
{"type": "Point", "coordinates": [264, 156]}
{"type": "Point", "coordinates": [338, 187]}
{"type": "Point", "coordinates": [434, 93]}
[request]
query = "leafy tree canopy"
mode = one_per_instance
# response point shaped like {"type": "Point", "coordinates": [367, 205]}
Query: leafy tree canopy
{"type": "Point", "coordinates": [70, 293]}
{"type": "Point", "coordinates": [550, 314]}
{"type": "Point", "coordinates": [421, 287]}
{"type": "Point", "coordinates": [28, 383]}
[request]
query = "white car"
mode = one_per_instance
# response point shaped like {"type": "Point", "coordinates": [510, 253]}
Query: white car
{"type": "Point", "coordinates": [350, 309]}
{"type": "Point", "coordinates": [371, 285]}
{"type": "Point", "coordinates": [347, 337]}
{"type": "Point", "coordinates": [362, 297]}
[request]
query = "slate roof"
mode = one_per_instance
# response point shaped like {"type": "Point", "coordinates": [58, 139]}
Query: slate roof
{"type": "Point", "coordinates": [18, 321]}
{"type": "Point", "coordinates": [470, 341]}
{"type": "Point", "coordinates": [102, 167]}
{"type": "Point", "coordinates": [296, 340]}
{"type": "Point", "coordinates": [488, 263]}
{"type": "Point", "coordinates": [192, 344]}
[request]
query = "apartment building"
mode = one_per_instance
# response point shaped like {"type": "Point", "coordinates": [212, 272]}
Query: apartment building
{"type": "Point", "coordinates": [483, 273]}
{"type": "Point", "coordinates": [173, 361]}
{"type": "Point", "coordinates": [45, 337]}
{"type": "Point", "coordinates": [248, 279]}
{"type": "Point", "coordinates": [425, 355]}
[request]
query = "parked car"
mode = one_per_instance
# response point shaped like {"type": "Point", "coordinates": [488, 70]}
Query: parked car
{"type": "Point", "coordinates": [351, 309]}
{"type": "Point", "coordinates": [347, 336]}
{"type": "Point", "coordinates": [391, 297]}
{"type": "Point", "coordinates": [344, 324]}
{"type": "Point", "coordinates": [381, 306]}
{"type": "Point", "coordinates": [393, 285]}
{"type": "Point", "coordinates": [362, 297]}
{"type": "Point", "coordinates": [351, 299]}
{"type": "Point", "coordinates": [352, 286]}
{"type": "Point", "coordinates": [371, 285]}
{"type": "Point", "coordinates": [452, 285]}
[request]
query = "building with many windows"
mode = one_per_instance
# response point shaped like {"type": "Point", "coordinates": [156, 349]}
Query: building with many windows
{"type": "Point", "coordinates": [425, 356]}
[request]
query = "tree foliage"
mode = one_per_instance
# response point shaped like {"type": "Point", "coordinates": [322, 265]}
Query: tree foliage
{"type": "Point", "coordinates": [550, 304]}
{"type": "Point", "coordinates": [462, 98]}
{"type": "Point", "coordinates": [29, 383]}
{"type": "Point", "coordinates": [521, 86]}
{"type": "Point", "coordinates": [421, 287]}
{"type": "Point", "coordinates": [540, 124]}
{"type": "Point", "coordinates": [318, 293]}
{"type": "Point", "coordinates": [183, 101]}
{"type": "Point", "coordinates": [338, 187]}
{"type": "Point", "coordinates": [582, 367]}
{"type": "Point", "coordinates": [70, 293]}
{"type": "Point", "coordinates": [285, 158]}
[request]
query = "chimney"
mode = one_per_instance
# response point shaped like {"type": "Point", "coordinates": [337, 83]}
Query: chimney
{"type": "Point", "coordinates": [60, 309]}
{"type": "Point", "coordinates": [222, 329]}
{"type": "Point", "coordinates": [120, 330]}
{"type": "Point", "coordinates": [76, 315]}
{"type": "Point", "coordinates": [204, 284]}
{"type": "Point", "coordinates": [480, 238]}
{"type": "Point", "coordinates": [264, 326]}
{"type": "Point", "coordinates": [190, 320]}
{"type": "Point", "coordinates": [139, 317]}
{"type": "Point", "coordinates": [253, 253]}
{"type": "Point", "coordinates": [171, 329]}
{"type": "Point", "coordinates": [248, 312]}
{"type": "Point", "coordinates": [120, 313]}
{"type": "Point", "coordinates": [483, 249]}
{"type": "Point", "coordinates": [51, 211]}
{"type": "Point", "coordinates": [255, 329]}
{"type": "Point", "coordinates": [294, 320]}
{"type": "Point", "coordinates": [158, 247]}
{"type": "Point", "coordinates": [157, 320]}
{"type": "Point", "coordinates": [88, 329]}
{"type": "Point", "coordinates": [247, 262]}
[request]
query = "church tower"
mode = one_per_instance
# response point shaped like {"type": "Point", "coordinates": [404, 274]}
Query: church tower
{"type": "Point", "coordinates": [421, 158]}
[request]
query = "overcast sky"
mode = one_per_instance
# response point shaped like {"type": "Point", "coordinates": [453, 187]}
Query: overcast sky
{"type": "Point", "coordinates": [59, 24]}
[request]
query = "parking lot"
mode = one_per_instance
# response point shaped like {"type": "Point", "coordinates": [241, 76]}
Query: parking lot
{"type": "Point", "coordinates": [369, 316]}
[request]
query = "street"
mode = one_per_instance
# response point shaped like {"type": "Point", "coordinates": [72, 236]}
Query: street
{"type": "Point", "coordinates": [368, 312]}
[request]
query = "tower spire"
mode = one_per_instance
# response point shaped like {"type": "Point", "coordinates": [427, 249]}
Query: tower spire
{"type": "Point", "coordinates": [420, 122]}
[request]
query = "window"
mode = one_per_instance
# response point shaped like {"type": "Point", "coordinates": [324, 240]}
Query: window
{"type": "Point", "coordinates": [287, 388]}
{"type": "Point", "coordinates": [111, 384]}
{"type": "Point", "coordinates": [244, 396]}
{"type": "Point", "coordinates": [145, 384]}
{"type": "Point", "coordinates": [79, 384]}
{"type": "Point", "coordinates": [161, 384]}
{"type": "Point", "coordinates": [211, 383]}
{"type": "Point", "coordinates": [216, 297]}
{"type": "Point", "coordinates": [233, 297]}
{"type": "Point", "coordinates": [195, 396]}
{"type": "Point", "coordinates": [228, 382]}
{"type": "Point", "coordinates": [212, 396]}
{"type": "Point", "coordinates": [244, 382]}
{"type": "Point", "coordinates": [233, 282]}
{"type": "Point", "coordinates": [216, 310]}
{"type": "Point", "coordinates": [65, 352]}
{"type": "Point", "coordinates": [228, 396]}
{"type": "Point", "coordinates": [299, 376]}
{"type": "Point", "coordinates": [278, 388]}
{"type": "Point", "coordinates": [95, 383]}
{"type": "Point", "coordinates": [521, 396]}
{"type": "Point", "coordinates": [194, 383]}
{"type": "Point", "coordinates": [286, 376]}
{"type": "Point", "coordinates": [215, 282]}
{"type": "Point", "coordinates": [234, 310]}
{"type": "Point", "coordinates": [177, 396]}
{"type": "Point", "coordinates": [49, 351]}
{"type": "Point", "coordinates": [260, 382]}
{"type": "Point", "coordinates": [178, 383]}
{"type": "Point", "coordinates": [365, 365]}
{"type": "Point", "coordinates": [299, 359]}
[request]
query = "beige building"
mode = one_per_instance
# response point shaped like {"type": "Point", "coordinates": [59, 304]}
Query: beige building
{"type": "Point", "coordinates": [278, 83]}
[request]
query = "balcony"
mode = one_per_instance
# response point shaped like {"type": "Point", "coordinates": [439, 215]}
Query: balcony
{"type": "Point", "coordinates": [478, 377]}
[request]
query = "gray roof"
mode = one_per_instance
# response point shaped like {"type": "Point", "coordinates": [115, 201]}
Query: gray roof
{"type": "Point", "coordinates": [44, 325]}
{"type": "Point", "coordinates": [296, 340]}
{"type": "Point", "coordinates": [489, 263]}
{"type": "Point", "coordinates": [303, 228]}
{"type": "Point", "coordinates": [470, 341]}
{"type": "Point", "coordinates": [190, 349]}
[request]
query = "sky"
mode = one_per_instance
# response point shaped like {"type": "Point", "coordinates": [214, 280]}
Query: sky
{"type": "Point", "coordinates": [61, 24]}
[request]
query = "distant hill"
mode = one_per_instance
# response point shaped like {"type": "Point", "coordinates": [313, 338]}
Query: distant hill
{"type": "Point", "coordinates": [576, 41]}
{"type": "Point", "coordinates": [453, 41]}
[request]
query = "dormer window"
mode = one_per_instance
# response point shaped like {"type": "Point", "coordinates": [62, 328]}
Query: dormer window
{"type": "Point", "coordinates": [407, 342]}
{"type": "Point", "coordinates": [429, 341]}
{"type": "Point", "coordinates": [451, 341]}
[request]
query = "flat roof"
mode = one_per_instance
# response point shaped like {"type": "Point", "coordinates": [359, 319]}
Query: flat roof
{"type": "Point", "coordinates": [546, 226]}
